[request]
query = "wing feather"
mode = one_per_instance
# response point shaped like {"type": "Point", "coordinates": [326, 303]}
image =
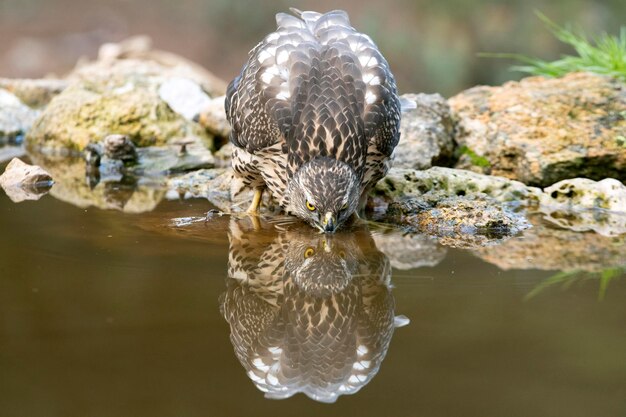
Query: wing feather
{"type": "Point", "coordinates": [318, 86]}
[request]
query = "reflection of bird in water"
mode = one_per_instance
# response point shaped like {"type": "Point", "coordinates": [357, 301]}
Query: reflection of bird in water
{"type": "Point", "coordinates": [308, 313]}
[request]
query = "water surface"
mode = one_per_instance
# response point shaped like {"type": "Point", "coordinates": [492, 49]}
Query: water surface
{"type": "Point", "coordinates": [105, 313]}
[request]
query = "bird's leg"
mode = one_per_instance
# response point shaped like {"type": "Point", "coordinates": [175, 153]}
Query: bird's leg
{"type": "Point", "coordinates": [256, 201]}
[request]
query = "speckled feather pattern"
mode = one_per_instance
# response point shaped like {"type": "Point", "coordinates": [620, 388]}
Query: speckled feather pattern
{"type": "Point", "coordinates": [319, 324]}
{"type": "Point", "coordinates": [313, 88]}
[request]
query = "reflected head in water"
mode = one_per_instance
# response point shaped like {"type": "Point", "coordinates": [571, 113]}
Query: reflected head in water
{"type": "Point", "coordinates": [308, 313]}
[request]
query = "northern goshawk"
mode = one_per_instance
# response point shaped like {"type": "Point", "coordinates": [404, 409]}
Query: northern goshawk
{"type": "Point", "coordinates": [315, 117]}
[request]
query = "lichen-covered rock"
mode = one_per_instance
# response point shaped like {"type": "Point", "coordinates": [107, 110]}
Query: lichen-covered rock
{"type": "Point", "coordinates": [117, 192]}
{"type": "Point", "coordinates": [547, 247]}
{"type": "Point", "coordinates": [583, 193]}
{"type": "Point", "coordinates": [22, 182]}
{"type": "Point", "coordinates": [409, 250]}
{"type": "Point", "coordinates": [15, 117]}
{"type": "Point", "coordinates": [119, 94]}
{"type": "Point", "coordinates": [458, 221]}
{"type": "Point", "coordinates": [543, 130]}
{"type": "Point", "coordinates": [34, 93]}
{"type": "Point", "coordinates": [581, 204]}
{"type": "Point", "coordinates": [426, 133]}
{"type": "Point", "coordinates": [123, 100]}
{"type": "Point", "coordinates": [441, 183]}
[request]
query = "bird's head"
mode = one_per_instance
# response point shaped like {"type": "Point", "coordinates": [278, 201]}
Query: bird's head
{"type": "Point", "coordinates": [324, 192]}
{"type": "Point", "coordinates": [322, 264]}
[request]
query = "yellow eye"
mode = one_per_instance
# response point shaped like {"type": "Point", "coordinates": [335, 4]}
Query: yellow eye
{"type": "Point", "coordinates": [309, 252]}
{"type": "Point", "coordinates": [310, 206]}
{"type": "Point", "coordinates": [342, 254]}
{"type": "Point", "coordinates": [345, 206]}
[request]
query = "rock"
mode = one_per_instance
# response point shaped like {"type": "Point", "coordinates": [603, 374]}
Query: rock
{"type": "Point", "coordinates": [581, 204]}
{"type": "Point", "coordinates": [25, 182]}
{"type": "Point", "coordinates": [119, 94]}
{"type": "Point", "coordinates": [224, 155]}
{"type": "Point", "coordinates": [114, 192]}
{"type": "Point", "coordinates": [121, 148]}
{"type": "Point", "coordinates": [441, 183]}
{"type": "Point", "coordinates": [458, 221]}
{"type": "Point", "coordinates": [546, 247]}
{"type": "Point", "coordinates": [184, 96]}
{"type": "Point", "coordinates": [176, 158]}
{"type": "Point", "coordinates": [543, 130]}
{"type": "Point", "coordinates": [151, 161]}
{"type": "Point", "coordinates": [15, 117]}
{"type": "Point", "coordinates": [426, 133]}
{"type": "Point", "coordinates": [213, 118]}
{"type": "Point", "coordinates": [583, 193]}
{"type": "Point", "coordinates": [140, 48]}
{"type": "Point", "coordinates": [409, 250]}
{"type": "Point", "coordinates": [34, 93]}
{"type": "Point", "coordinates": [216, 185]}
{"type": "Point", "coordinates": [20, 174]}
{"type": "Point", "coordinates": [120, 97]}
{"type": "Point", "coordinates": [93, 155]}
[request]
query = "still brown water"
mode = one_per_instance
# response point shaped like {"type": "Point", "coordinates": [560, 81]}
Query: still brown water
{"type": "Point", "coordinates": [104, 313]}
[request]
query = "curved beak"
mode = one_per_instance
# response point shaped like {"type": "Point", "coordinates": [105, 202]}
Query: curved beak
{"type": "Point", "coordinates": [329, 222]}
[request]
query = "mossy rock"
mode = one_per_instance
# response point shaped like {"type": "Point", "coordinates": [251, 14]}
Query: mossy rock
{"type": "Point", "coordinates": [543, 130]}
{"type": "Point", "coordinates": [124, 102]}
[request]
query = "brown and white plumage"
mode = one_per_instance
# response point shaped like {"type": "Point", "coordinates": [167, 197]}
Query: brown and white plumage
{"type": "Point", "coordinates": [314, 93]}
{"type": "Point", "coordinates": [308, 313]}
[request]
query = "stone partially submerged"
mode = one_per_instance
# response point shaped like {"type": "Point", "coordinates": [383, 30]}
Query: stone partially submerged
{"type": "Point", "coordinates": [117, 191]}
{"type": "Point", "coordinates": [543, 130]}
{"type": "Point", "coordinates": [548, 247]}
{"type": "Point", "coordinates": [22, 182]}
{"type": "Point", "coordinates": [458, 221]}
{"type": "Point", "coordinates": [581, 204]}
{"type": "Point", "coordinates": [468, 221]}
{"type": "Point", "coordinates": [216, 185]}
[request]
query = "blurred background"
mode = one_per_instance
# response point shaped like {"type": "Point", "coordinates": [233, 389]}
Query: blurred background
{"type": "Point", "coordinates": [431, 45]}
